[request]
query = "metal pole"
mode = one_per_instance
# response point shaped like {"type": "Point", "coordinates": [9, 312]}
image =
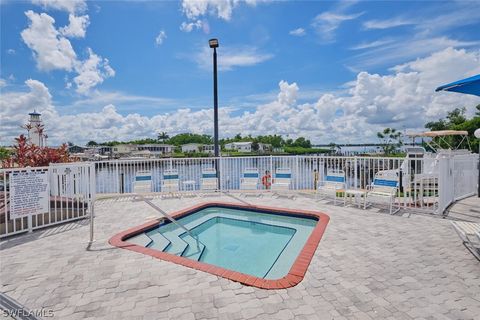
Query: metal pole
{"type": "Point", "coordinates": [215, 114]}
{"type": "Point", "coordinates": [215, 102]}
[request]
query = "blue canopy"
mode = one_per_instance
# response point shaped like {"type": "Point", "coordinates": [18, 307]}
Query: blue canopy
{"type": "Point", "coordinates": [469, 86]}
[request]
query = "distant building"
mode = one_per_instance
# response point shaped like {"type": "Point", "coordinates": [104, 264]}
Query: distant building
{"type": "Point", "coordinates": [121, 150]}
{"type": "Point", "coordinates": [208, 148]}
{"type": "Point", "coordinates": [76, 149]}
{"type": "Point", "coordinates": [35, 129]}
{"type": "Point", "coordinates": [198, 147]}
{"type": "Point", "coordinates": [156, 149]}
{"type": "Point", "coordinates": [264, 147]}
{"type": "Point", "coordinates": [191, 147]}
{"type": "Point", "coordinates": [99, 152]}
{"type": "Point", "coordinates": [239, 146]}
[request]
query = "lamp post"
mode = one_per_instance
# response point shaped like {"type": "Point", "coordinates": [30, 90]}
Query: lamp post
{"type": "Point", "coordinates": [213, 43]}
{"type": "Point", "coordinates": [477, 135]}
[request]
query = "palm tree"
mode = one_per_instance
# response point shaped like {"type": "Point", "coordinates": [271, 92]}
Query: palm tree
{"type": "Point", "coordinates": [162, 136]}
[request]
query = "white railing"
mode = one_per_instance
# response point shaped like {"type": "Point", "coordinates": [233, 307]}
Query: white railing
{"type": "Point", "coordinates": [420, 180]}
{"type": "Point", "coordinates": [117, 176]}
{"type": "Point", "coordinates": [425, 184]}
{"type": "Point", "coordinates": [71, 194]}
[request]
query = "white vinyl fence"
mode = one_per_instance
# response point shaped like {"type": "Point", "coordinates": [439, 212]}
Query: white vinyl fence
{"type": "Point", "coordinates": [458, 178]}
{"type": "Point", "coordinates": [422, 182]}
{"type": "Point", "coordinates": [425, 184]}
{"type": "Point", "coordinates": [70, 194]}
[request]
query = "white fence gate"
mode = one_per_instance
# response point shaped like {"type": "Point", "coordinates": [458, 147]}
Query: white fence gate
{"type": "Point", "coordinates": [458, 178]}
{"type": "Point", "coordinates": [70, 191]}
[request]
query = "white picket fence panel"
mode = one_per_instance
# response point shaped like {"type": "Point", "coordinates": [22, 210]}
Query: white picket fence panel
{"type": "Point", "coordinates": [71, 191]}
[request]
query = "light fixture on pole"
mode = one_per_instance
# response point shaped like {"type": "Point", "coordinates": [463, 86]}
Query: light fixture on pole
{"type": "Point", "coordinates": [213, 43]}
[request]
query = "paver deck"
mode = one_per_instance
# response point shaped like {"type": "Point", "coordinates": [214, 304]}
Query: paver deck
{"type": "Point", "coordinates": [369, 265]}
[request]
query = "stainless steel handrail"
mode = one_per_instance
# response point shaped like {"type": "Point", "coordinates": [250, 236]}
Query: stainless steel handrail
{"type": "Point", "coordinates": [178, 224]}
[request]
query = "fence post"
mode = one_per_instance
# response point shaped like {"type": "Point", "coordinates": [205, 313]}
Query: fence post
{"type": "Point", "coordinates": [91, 197]}
{"type": "Point", "coordinates": [219, 172]}
{"type": "Point", "coordinates": [355, 172]}
{"type": "Point", "coordinates": [296, 172]}
{"type": "Point", "coordinates": [117, 177]}
{"type": "Point", "coordinates": [271, 167]}
{"type": "Point", "coordinates": [445, 184]}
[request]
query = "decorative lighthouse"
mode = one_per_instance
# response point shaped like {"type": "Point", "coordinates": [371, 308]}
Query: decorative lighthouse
{"type": "Point", "coordinates": [35, 129]}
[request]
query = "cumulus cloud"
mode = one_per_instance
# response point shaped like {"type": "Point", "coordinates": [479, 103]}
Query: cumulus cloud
{"type": "Point", "coordinates": [71, 6]}
{"type": "Point", "coordinates": [232, 57]}
{"type": "Point", "coordinates": [15, 106]}
{"type": "Point", "coordinates": [50, 49]}
{"type": "Point", "coordinates": [92, 72]}
{"type": "Point", "coordinates": [162, 35]}
{"type": "Point", "coordinates": [77, 26]}
{"type": "Point", "coordinates": [299, 32]}
{"type": "Point", "coordinates": [221, 8]}
{"type": "Point", "coordinates": [404, 98]}
{"type": "Point", "coordinates": [188, 27]}
{"type": "Point", "coordinates": [53, 51]}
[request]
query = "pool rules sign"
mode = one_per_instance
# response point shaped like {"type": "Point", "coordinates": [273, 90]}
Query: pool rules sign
{"type": "Point", "coordinates": [29, 193]}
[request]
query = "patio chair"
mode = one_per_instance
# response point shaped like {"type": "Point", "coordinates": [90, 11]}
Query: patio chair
{"type": "Point", "coordinates": [209, 180]}
{"type": "Point", "coordinates": [171, 181]}
{"type": "Point", "coordinates": [282, 179]}
{"type": "Point", "coordinates": [383, 190]}
{"type": "Point", "coordinates": [333, 183]}
{"type": "Point", "coordinates": [469, 232]}
{"type": "Point", "coordinates": [250, 179]}
{"type": "Point", "coordinates": [143, 182]}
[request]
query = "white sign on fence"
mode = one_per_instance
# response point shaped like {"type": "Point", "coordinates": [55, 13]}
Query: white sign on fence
{"type": "Point", "coordinates": [29, 193]}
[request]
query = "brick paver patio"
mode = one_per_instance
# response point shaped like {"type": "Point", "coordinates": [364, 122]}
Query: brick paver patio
{"type": "Point", "coordinates": [369, 265]}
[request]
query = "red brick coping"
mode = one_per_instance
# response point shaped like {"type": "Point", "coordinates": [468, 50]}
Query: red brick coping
{"type": "Point", "coordinates": [294, 276]}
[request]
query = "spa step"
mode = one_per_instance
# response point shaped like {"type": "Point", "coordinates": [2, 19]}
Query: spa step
{"type": "Point", "coordinates": [177, 246]}
{"type": "Point", "coordinates": [159, 241]}
{"type": "Point", "coordinates": [141, 240]}
{"type": "Point", "coordinates": [192, 251]}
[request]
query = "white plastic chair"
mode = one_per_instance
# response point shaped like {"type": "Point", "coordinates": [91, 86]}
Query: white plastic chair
{"type": "Point", "coordinates": [209, 180]}
{"type": "Point", "coordinates": [143, 182]}
{"type": "Point", "coordinates": [282, 179]}
{"type": "Point", "coordinates": [383, 189]}
{"type": "Point", "coordinates": [250, 179]}
{"type": "Point", "coordinates": [171, 181]}
{"type": "Point", "coordinates": [334, 182]}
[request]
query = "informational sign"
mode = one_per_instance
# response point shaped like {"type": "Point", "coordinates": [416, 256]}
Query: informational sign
{"type": "Point", "coordinates": [29, 193]}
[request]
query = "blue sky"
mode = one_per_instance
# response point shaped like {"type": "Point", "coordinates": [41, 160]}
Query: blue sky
{"type": "Point", "coordinates": [333, 71]}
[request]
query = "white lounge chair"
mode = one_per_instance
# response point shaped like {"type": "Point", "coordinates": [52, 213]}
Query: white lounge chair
{"type": "Point", "coordinates": [469, 232]}
{"type": "Point", "coordinates": [383, 190]}
{"type": "Point", "coordinates": [171, 181]}
{"type": "Point", "coordinates": [143, 182]}
{"type": "Point", "coordinates": [209, 180]}
{"type": "Point", "coordinates": [250, 179]}
{"type": "Point", "coordinates": [282, 179]}
{"type": "Point", "coordinates": [334, 182]}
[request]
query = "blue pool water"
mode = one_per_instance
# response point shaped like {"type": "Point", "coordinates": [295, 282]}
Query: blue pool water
{"type": "Point", "coordinates": [261, 244]}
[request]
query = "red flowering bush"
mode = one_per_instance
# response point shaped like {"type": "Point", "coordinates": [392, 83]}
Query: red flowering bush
{"type": "Point", "coordinates": [30, 155]}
